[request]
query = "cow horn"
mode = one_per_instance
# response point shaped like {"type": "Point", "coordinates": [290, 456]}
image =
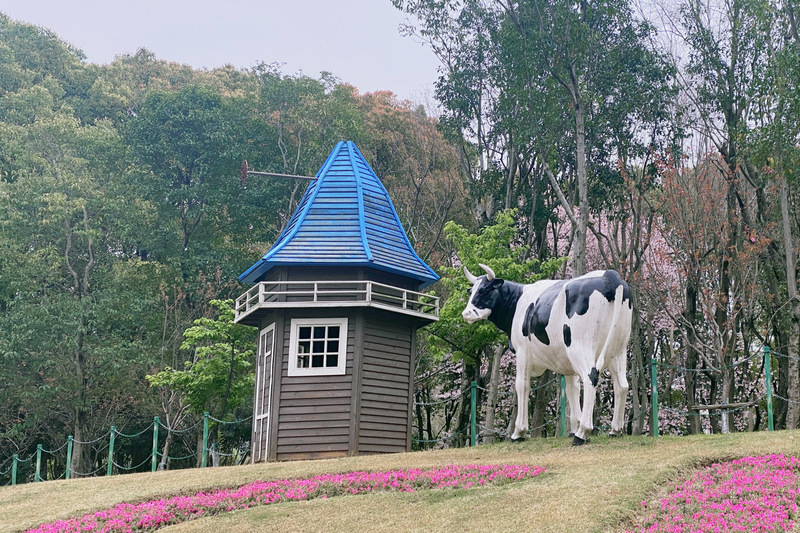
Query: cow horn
{"type": "Point", "coordinates": [471, 277]}
{"type": "Point", "coordinates": [489, 271]}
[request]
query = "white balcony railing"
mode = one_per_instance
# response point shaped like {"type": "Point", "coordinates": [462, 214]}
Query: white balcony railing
{"type": "Point", "coordinates": [353, 293]}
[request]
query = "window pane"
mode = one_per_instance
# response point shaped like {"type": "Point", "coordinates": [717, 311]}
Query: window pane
{"type": "Point", "coordinates": [316, 345]}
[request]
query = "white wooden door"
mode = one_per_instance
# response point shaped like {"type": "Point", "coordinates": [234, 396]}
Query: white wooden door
{"type": "Point", "coordinates": [263, 392]}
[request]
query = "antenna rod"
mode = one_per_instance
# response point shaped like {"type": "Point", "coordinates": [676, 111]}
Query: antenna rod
{"type": "Point", "coordinates": [273, 175]}
{"type": "Point", "coordinates": [246, 171]}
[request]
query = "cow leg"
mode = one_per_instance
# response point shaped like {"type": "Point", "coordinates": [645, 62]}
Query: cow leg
{"type": "Point", "coordinates": [523, 388]}
{"type": "Point", "coordinates": [620, 382]}
{"type": "Point", "coordinates": [574, 398]}
{"type": "Point", "coordinates": [587, 410]}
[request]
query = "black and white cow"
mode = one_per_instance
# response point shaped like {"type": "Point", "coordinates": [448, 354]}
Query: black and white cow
{"type": "Point", "coordinates": [574, 327]}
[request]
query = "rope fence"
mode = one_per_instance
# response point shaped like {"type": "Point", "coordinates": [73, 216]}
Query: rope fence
{"type": "Point", "coordinates": [723, 409]}
{"type": "Point", "coordinates": [711, 411]}
{"type": "Point", "coordinates": [10, 465]}
{"type": "Point", "coordinates": [108, 444]}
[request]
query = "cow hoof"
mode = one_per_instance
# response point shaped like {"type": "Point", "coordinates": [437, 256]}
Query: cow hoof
{"type": "Point", "coordinates": [577, 441]}
{"type": "Point", "coordinates": [571, 434]}
{"type": "Point", "coordinates": [518, 440]}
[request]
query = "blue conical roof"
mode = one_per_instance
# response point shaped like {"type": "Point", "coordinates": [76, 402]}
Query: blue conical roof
{"type": "Point", "coordinates": [345, 219]}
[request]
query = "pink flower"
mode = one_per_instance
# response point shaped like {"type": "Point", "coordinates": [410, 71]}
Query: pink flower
{"type": "Point", "coordinates": [748, 494]}
{"type": "Point", "coordinates": [152, 515]}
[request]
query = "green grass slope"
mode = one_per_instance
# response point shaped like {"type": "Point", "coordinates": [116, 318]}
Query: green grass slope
{"type": "Point", "coordinates": [598, 487]}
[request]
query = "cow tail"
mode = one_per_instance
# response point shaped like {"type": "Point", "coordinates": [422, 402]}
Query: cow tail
{"type": "Point", "coordinates": [601, 360]}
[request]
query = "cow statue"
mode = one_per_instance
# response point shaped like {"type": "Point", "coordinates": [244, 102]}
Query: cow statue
{"type": "Point", "coordinates": [576, 327]}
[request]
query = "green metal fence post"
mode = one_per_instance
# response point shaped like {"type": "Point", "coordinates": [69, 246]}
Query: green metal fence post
{"type": "Point", "coordinates": [69, 457]}
{"type": "Point", "coordinates": [563, 410]}
{"type": "Point", "coordinates": [111, 439]}
{"type": "Point", "coordinates": [154, 460]}
{"type": "Point", "coordinates": [204, 459]}
{"type": "Point", "coordinates": [38, 475]}
{"type": "Point", "coordinates": [14, 469]}
{"type": "Point", "coordinates": [473, 415]}
{"type": "Point", "coordinates": [768, 377]}
{"type": "Point", "coordinates": [653, 364]}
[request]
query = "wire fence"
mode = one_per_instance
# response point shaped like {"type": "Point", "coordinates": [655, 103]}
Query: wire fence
{"type": "Point", "coordinates": [111, 457]}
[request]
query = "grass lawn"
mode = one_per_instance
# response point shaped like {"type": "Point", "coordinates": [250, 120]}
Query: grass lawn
{"type": "Point", "coordinates": [597, 487]}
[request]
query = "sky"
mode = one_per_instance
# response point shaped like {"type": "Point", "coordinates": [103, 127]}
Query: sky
{"type": "Point", "coordinates": [359, 41]}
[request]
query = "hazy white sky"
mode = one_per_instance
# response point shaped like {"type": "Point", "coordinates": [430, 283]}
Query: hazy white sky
{"type": "Point", "coordinates": [357, 40]}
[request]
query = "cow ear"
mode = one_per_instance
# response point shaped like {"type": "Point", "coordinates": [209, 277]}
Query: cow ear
{"type": "Point", "coordinates": [496, 283]}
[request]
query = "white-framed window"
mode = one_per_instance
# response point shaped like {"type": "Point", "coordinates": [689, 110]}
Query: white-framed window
{"type": "Point", "coordinates": [318, 347]}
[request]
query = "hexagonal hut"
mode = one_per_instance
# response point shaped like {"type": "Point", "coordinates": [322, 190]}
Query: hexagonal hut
{"type": "Point", "coordinates": [337, 303]}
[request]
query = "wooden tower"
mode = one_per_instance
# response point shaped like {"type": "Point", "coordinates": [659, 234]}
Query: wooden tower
{"type": "Point", "coordinates": [337, 303]}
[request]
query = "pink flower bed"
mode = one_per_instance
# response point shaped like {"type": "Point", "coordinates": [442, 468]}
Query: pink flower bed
{"type": "Point", "coordinates": [750, 494]}
{"type": "Point", "coordinates": [152, 515]}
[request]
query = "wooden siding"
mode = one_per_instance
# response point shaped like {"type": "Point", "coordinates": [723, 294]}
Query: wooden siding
{"type": "Point", "coordinates": [385, 381]}
{"type": "Point", "coordinates": [313, 414]}
{"type": "Point", "coordinates": [365, 411]}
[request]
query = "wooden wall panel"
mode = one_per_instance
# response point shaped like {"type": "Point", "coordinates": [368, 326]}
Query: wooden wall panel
{"type": "Point", "coordinates": [386, 375]}
{"type": "Point", "coordinates": [314, 412]}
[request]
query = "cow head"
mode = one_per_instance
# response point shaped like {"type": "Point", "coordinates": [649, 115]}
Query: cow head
{"type": "Point", "coordinates": [482, 295]}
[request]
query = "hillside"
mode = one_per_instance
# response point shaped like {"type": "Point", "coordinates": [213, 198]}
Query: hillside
{"type": "Point", "coordinates": [598, 487]}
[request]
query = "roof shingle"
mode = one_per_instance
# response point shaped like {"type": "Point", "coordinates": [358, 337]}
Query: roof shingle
{"type": "Point", "coordinates": [345, 218]}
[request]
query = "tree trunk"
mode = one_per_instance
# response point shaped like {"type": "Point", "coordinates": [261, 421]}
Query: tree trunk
{"type": "Point", "coordinates": [712, 398]}
{"type": "Point", "coordinates": [164, 463]}
{"type": "Point", "coordinates": [727, 394]}
{"type": "Point", "coordinates": [541, 397]}
{"type": "Point", "coordinates": [428, 424]}
{"type": "Point", "coordinates": [579, 258]}
{"type": "Point", "coordinates": [491, 399]}
{"type": "Point", "coordinates": [639, 401]}
{"type": "Point", "coordinates": [199, 461]}
{"type": "Point", "coordinates": [215, 456]}
{"type": "Point", "coordinates": [229, 383]}
{"type": "Point", "coordinates": [534, 247]}
{"type": "Point", "coordinates": [418, 413]}
{"type": "Point", "coordinates": [793, 409]}
{"type": "Point", "coordinates": [690, 312]}
{"type": "Point", "coordinates": [460, 434]}
{"type": "Point", "coordinates": [512, 170]}
{"type": "Point", "coordinates": [80, 464]}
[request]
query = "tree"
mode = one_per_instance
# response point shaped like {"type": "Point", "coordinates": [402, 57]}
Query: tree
{"type": "Point", "coordinates": [75, 308]}
{"type": "Point", "coordinates": [730, 56]}
{"type": "Point", "coordinates": [219, 377]}
{"type": "Point", "coordinates": [772, 146]}
{"type": "Point", "coordinates": [536, 86]}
